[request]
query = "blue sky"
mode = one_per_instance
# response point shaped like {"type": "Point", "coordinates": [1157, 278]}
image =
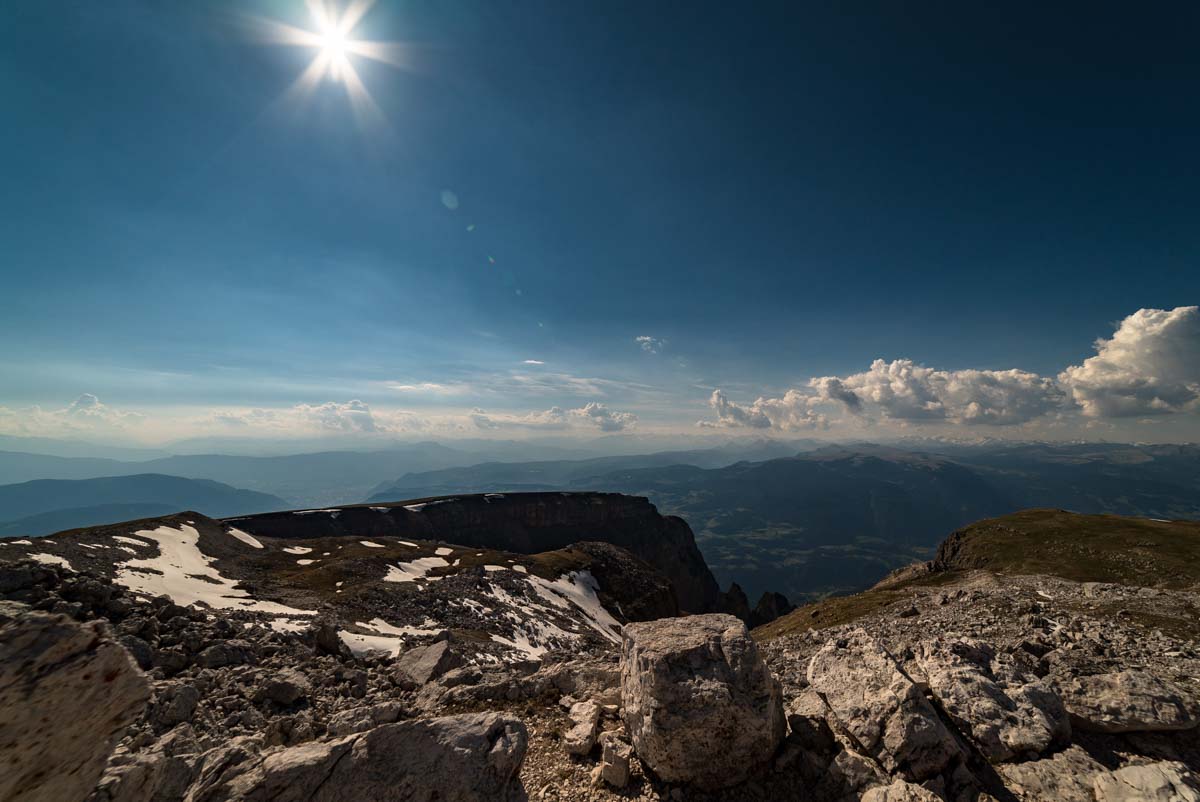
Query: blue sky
{"type": "Point", "coordinates": [772, 195]}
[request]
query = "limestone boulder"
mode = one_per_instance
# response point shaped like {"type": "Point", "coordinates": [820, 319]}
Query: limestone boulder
{"type": "Point", "coordinates": [1065, 777]}
{"type": "Point", "coordinates": [67, 693]}
{"type": "Point", "coordinates": [465, 758]}
{"type": "Point", "coordinates": [900, 791]}
{"type": "Point", "coordinates": [585, 721]}
{"type": "Point", "coordinates": [285, 687]}
{"type": "Point", "coordinates": [424, 664]}
{"type": "Point", "coordinates": [1168, 781]}
{"type": "Point", "coordinates": [615, 756]}
{"type": "Point", "coordinates": [699, 703]}
{"type": "Point", "coordinates": [880, 708]}
{"type": "Point", "coordinates": [1006, 714]}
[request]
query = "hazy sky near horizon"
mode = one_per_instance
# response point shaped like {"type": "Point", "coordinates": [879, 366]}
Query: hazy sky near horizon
{"type": "Point", "coordinates": [799, 218]}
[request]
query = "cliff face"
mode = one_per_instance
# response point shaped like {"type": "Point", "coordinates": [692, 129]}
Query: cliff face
{"type": "Point", "coordinates": [527, 523]}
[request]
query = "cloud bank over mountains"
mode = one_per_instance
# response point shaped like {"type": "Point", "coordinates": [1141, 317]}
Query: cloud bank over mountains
{"type": "Point", "coordinates": [1145, 375]}
{"type": "Point", "coordinates": [1149, 367]}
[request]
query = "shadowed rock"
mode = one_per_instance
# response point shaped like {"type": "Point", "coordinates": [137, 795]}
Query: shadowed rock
{"type": "Point", "coordinates": [467, 758]}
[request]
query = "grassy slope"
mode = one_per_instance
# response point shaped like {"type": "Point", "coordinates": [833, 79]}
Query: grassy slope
{"type": "Point", "coordinates": [1083, 548]}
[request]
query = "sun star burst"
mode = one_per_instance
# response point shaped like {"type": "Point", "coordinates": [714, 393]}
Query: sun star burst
{"type": "Point", "coordinates": [333, 40]}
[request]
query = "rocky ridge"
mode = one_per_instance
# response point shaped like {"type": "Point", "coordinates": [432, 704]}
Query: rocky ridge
{"type": "Point", "coordinates": [969, 684]}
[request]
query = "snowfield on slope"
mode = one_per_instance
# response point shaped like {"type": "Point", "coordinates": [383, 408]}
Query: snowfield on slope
{"type": "Point", "coordinates": [185, 574]}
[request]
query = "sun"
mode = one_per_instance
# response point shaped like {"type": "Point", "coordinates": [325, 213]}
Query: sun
{"type": "Point", "coordinates": [332, 38]}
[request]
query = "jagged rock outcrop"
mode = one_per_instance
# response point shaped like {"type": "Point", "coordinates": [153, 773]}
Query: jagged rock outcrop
{"type": "Point", "coordinates": [879, 707]}
{"type": "Point", "coordinates": [466, 758]}
{"type": "Point", "coordinates": [698, 702]}
{"type": "Point", "coordinates": [67, 693]}
{"type": "Point", "coordinates": [1127, 701]}
{"type": "Point", "coordinates": [770, 606]}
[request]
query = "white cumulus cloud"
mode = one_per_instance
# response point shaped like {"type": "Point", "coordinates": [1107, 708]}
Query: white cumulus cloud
{"type": "Point", "coordinates": [903, 390]}
{"type": "Point", "coordinates": [1150, 366]}
{"type": "Point", "coordinates": [793, 412]}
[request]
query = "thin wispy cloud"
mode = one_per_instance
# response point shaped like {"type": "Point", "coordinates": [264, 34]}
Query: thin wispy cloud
{"type": "Point", "coordinates": [651, 345]}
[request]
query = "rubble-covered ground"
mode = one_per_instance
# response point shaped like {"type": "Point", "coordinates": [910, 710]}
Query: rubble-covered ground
{"type": "Point", "coordinates": [943, 683]}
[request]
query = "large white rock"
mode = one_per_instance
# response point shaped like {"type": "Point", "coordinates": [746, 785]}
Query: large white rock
{"type": "Point", "coordinates": [878, 706]}
{"type": "Point", "coordinates": [466, 758]}
{"type": "Point", "coordinates": [67, 693]}
{"type": "Point", "coordinates": [699, 703]}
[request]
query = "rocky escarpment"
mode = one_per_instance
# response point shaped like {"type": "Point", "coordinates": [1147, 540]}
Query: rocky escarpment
{"type": "Point", "coordinates": [525, 523]}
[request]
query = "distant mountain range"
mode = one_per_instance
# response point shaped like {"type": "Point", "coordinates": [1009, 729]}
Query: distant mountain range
{"type": "Point", "coordinates": [326, 478]}
{"type": "Point", "coordinates": [44, 506]}
{"type": "Point", "coordinates": [303, 479]}
{"type": "Point", "coordinates": [839, 518]}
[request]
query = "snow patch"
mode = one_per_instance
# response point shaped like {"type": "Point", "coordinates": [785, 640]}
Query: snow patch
{"type": "Point", "coordinates": [51, 559]}
{"type": "Point", "coordinates": [298, 550]}
{"type": "Point", "coordinates": [288, 625]}
{"type": "Point", "coordinates": [185, 574]}
{"type": "Point", "coordinates": [414, 570]}
{"type": "Point", "coordinates": [248, 539]}
{"type": "Point", "coordinates": [442, 551]}
{"type": "Point", "coordinates": [306, 562]}
{"type": "Point", "coordinates": [371, 545]}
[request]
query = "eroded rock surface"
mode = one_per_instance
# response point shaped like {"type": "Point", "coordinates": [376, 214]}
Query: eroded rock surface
{"type": "Point", "coordinates": [1168, 781]}
{"type": "Point", "coordinates": [699, 703]}
{"type": "Point", "coordinates": [879, 707]}
{"type": "Point", "coordinates": [67, 693]}
{"type": "Point", "coordinates": [1006, 712]}
{"type": "Point", "coordinates": [1127, 701]}
{"type": "Point", "coordinates": [467, 758]}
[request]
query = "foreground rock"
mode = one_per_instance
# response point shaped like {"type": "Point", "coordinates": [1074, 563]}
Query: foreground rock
{"type": "Point", "coordinates": [465, 758]}
{"type": "Point", "coordinates": [1006, 713]}
{"type": "Point", "coordinates": [699, 703]}
{"type": "Point", "coordinates": [585, 720]}
{"type": "Point", "coordinates": [67, 693]}
{"type": "Point", "coordinates": [1168, 780]}
{"type": "Point", "coordinates": [879, 707]}
{"type": "Point", "coordinates": [1127, 701]}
